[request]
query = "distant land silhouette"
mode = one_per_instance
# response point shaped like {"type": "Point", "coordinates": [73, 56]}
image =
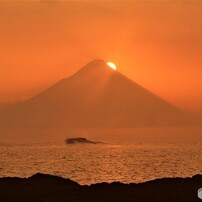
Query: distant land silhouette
{"type": "Point", "coordinates": [94, 97]}
{"type": "Point", "coordinates": [79, 140]}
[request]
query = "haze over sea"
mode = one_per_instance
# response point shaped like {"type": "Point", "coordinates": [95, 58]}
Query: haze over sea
{"type": "Point", "coordinates": [87, 164]}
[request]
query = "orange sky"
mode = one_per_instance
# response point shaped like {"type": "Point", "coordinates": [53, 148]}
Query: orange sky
{"type": "Point", "coordinates": [158, 44]}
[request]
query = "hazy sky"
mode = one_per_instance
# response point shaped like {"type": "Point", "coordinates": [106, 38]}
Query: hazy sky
{"type": "Point", "coordinates": [158, 44]}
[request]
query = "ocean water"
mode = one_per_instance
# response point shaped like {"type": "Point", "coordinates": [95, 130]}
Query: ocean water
{"type": "Point", "coordinates": [88, 164]}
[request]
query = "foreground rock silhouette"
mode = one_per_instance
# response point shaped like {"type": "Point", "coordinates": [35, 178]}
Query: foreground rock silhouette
{"type": "Point", "coordinates": [43, 187]}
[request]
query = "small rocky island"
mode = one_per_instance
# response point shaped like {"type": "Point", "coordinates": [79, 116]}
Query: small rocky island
{"type": "Point", "coordinates": [81, 140]}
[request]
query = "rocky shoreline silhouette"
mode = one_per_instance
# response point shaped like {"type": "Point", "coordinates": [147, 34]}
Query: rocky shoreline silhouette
{"type": "Point", "coordinates": [44, 187]}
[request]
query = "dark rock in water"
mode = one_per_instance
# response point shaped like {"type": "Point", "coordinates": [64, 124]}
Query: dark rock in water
{"type": "Point", "coordinates": [42, 188]}
{"type": "Point", "coordinates": [79, 140]}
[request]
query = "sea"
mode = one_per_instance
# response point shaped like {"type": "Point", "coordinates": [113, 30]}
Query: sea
{"type": "Point", "coordinates": [90, 164]}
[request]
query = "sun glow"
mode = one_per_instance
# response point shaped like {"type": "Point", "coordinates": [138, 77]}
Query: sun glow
{"type": "Point", "coordinates": [112, 65]}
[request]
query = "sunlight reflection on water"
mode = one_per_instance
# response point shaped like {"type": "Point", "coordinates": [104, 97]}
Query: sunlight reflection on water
{"type": "Point", "coordinates": [89, 164]}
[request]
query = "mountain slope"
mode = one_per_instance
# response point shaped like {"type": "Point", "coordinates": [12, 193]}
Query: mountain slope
{"type": "Point", "coordinates": [94, 97]}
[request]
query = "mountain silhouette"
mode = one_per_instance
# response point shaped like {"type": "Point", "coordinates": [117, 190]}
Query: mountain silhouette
{"type": "Point", "coordinates": [94, 97]}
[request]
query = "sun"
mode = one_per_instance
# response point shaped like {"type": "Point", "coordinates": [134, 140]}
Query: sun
{"type": "Point", "coordinates": [112, 65]}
